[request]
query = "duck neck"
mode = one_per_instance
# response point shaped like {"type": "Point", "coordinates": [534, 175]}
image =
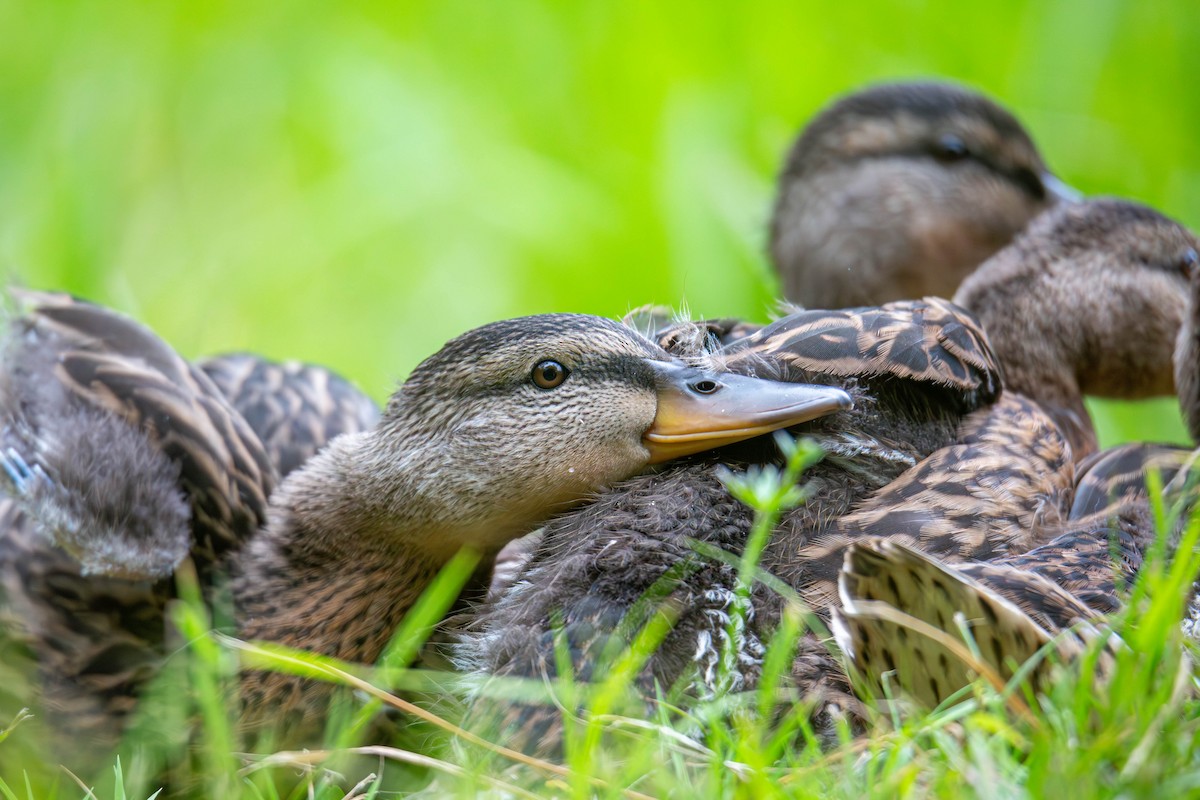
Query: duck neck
{"type": "Point", "coordinates": [352, 540]}
{"type": "Point", "coordinates": [1063, 329]}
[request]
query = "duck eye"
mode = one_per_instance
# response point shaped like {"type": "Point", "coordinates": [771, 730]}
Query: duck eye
{"type": "Point", "coordinates": [950, 147]}
{"type": "Point", "coordinates": [548, 374]}
{"type": "Point", "coordinates": [1189, 261]}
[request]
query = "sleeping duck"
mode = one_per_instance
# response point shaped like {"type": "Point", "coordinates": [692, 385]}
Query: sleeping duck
{"type": "Point", "coordinates": [933, 454]}
{"type": "Point", "coordinates": [131, 460]}
{"type": "Point", "coordinates": [898, 191]}
{"type": "Point", "coordinates": [98, 638]}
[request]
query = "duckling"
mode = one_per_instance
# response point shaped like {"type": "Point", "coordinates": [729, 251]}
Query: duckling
{"type": "Point", "coordinates": [890, 619]}
{"type": "Point", "coordinates": [122, 460]}
{"type": "Point", "coordinates": [899, 191]}
{"type": "Point", "coordinates": [83, 389]}
{"type": "Point", "coordinates": [503, 427]}
{"type": "Point", "coordinates": [93, 662]}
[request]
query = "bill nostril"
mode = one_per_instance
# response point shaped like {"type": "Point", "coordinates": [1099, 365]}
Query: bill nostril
{"type": "Point", "coordinates": [705, 386]}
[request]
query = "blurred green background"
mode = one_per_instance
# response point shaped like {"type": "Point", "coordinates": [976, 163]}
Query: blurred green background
{"type": "Point", "coordinates": [353, 184]}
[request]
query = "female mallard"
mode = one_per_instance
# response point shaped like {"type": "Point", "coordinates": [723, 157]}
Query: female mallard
{"type": "Point", "coordinates": [898, 191]}
{"type": "Point", "coordinates": [1011, 477]}
{"type": "Point", "coordinates": [1088, 300]}
{"type": "Point", "coordinates": [947, 464]}
{"type": "Point", "coordinates": [130, 459]}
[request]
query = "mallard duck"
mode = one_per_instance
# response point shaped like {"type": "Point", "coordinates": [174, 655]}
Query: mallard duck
{"type": "Point", "coordinates": [131, 459]}
{"type": "Point", "coordinates": [100, 637]}
{"type": "Point", "coordinates": [890, 619]}
{"type": "Point", "coordinates": [898, 191]}
{"type": "Point", "coordinates": [975, 474]}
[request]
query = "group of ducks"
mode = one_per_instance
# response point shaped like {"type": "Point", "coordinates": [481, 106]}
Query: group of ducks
{"type": "Point", "coordinates": [958, 453]}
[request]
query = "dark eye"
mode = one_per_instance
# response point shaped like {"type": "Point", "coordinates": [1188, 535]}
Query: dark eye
{"type": "Point", "coordinates": [1188, 262]}
{"type": "Point", "coordinates": [548, 374]}
{"type": "Point", "coordinates": [950, 147]}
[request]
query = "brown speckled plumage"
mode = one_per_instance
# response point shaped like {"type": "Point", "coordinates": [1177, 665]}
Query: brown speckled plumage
{"type": "Point", "coordinates": [87, 393]}
{"type": "Point", "coordinates": [135, 461]}
{"type": "Point", "coordinates": [888, 590]}
{"type": "Point", "coordinates": [1116, 262]}
{"type": "Point", "coordinates": [1013, 605]}
{"type": "Point", "coordinates": [933, 456]}
{"type": "Point", "coordinates": [294, 408]}
{"type": "Point", "coordinates": [1003, 487]}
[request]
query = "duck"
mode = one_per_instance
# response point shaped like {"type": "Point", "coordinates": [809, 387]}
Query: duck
{"type": "Point", "coordinates": [889, 619]}
{"type": "Point", "coordinates": [99, 637]}
{"type": "Point", "coordinates": [130, 460]}
{"type": "Point", "coordinates": [899, 191]}
{"type": "Point", "coordinates": [1076, 261]}
{"type": "Point", "coordinates": [958, 470]}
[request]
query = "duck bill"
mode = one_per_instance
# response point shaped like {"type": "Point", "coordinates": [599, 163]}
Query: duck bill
{"type": "Point", "coordinates": [1060, 191]}
{"type": "Point", "coordinates": [700, 410]}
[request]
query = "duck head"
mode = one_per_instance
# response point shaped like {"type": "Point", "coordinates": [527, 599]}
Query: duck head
{"type": "Point", "coordinates": [520, 418]}
{"type": "Point", "coordinates": [899, 191]}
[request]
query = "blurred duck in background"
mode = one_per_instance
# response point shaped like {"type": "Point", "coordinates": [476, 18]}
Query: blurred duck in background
{"type": "Point", "coordinates": [899, 191]}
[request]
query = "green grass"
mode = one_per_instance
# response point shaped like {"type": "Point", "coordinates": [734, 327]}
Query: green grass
{"type": "Point", "coordinates": [353, 184]}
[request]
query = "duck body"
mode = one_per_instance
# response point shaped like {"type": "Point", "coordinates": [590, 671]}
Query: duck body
{"type": "Point", "coordinates": [960, 477]}
{"type": "Point", "coordinates": [1054, 303]}
{"type": "Point", "coordinates": [1089, 300]}
{"type": "Point", "coordinates": [140, 462]}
